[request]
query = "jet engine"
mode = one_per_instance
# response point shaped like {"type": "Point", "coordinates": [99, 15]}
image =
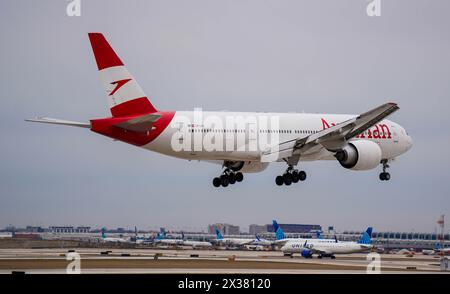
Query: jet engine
{"type": "Point", "coordinates": [246, 166]}
{"type": "Point", "coordinates": [306, 253]}
{"type": "Point", "coordinates": [359, 155]}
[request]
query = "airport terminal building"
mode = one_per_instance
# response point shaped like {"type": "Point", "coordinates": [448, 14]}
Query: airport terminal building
{"type": "Point", "coordinates": [295, 228]}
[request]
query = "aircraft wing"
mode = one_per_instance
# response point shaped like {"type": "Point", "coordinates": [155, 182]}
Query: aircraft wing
{"type": "Point", "coordinates": [141, 124]}
{"type": "Point", "coordinates": [319, 250]}
{"type": "Point", "coordinates": [332, 138]}
{"type": "Point", "coordinates": [281, 242]}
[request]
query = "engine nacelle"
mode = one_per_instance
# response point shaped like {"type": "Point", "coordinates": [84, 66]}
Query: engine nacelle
{"type": "Point", "coordinates": [359, 155]}
{"type": "Point", "coordinates": [306, 253]}
{"type": "Point", "coordinates": [247, 166]}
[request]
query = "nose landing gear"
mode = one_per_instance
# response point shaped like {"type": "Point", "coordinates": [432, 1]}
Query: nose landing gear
{"type": "Point", "coordinates": [228, 177]}
{"type": "Point", "coordinates": [290, 176]}
{"type": "Point", "coordinates": [385, 176]}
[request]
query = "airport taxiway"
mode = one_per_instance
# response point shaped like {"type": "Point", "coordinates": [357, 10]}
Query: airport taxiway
{"type": "Point", "coordinates": [203, 261]}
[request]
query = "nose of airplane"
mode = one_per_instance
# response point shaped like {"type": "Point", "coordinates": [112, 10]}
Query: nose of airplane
{"type": "Point", "coordinates": [408, 142]}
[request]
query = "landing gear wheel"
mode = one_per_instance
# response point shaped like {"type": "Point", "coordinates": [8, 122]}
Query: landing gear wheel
{"type": "Point", "coordinates": [302, 175]}
{"type": "Point", "coordinates": [228, 177]}
{"type": "Point", "coordinates": [279, 180]}
{"type": "Point", "coordinates": [217, 182]}
{"type": "Point", "coordinates": [385, 176]}
{"type": "Point", "coordinates": [290, 176]}
{"type": "Point", "coordinates": [224, 181]}
{"type": "Point", "coordinates": [287, 178]}
{"type": "Point", "coordinates": [232, 178]}
{"type": "Point", "coordinates": [333, 257]}
{"type": "Point", "coordinates": [295, 177]}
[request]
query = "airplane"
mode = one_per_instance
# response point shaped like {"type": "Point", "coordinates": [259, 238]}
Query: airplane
{"type": "Point", "coordinates": [161, 239]}
{"type": "Point", "coordinates": [428, 252]}
{"type": "Point", "coordinates": [307, 248]}
{"type": "Point", "coordinates": [141, 239]}
{"type": "Point", "coordinates": [113, 239]}
{"type": "Point", "coordinates": [437, 250]}
{"type": "Point", "coordinates": [232, 241]}
{"type": "Point", "coordinates": [195, 244]}
{"type": "Point", "coordinates": [262, 242]}
{"type": "Point", "coordinates": [242, 142]}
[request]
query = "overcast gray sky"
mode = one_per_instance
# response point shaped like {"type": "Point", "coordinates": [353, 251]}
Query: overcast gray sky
{"type": "Point", "coordinates": [316, 56]}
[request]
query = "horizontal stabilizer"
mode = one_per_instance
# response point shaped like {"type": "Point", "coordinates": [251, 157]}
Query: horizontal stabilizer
{"type": "Point", "coordinates": [55, 121]}
{"type": "Point", "coordinates": [141, 124]}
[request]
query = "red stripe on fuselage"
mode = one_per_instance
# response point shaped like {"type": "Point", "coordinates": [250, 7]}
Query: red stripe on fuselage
{"type": "Point", "coordinates": [105, 126]}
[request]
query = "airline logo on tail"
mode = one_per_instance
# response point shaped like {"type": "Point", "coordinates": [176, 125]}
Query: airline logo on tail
{"type": "Point", "coordinates": [279, 234]}
{"type": "Point", "coordinates": [219, 234]}
{"type": "Point", "coordinates": [366, 237]}
{"type": "Point", "coordinates": [118, 84]}
{"type": "Point", "coordinates": [126, 97]}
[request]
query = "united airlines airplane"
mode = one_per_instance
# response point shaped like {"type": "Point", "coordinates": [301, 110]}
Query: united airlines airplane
{"type": "Point", "coordinates": [242, 142]}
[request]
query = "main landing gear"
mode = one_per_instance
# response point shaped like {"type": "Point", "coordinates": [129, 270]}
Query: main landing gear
{"type": "Point", "coordinates": [385, 176]}
{"type": "Point", "coordinates": [290, 176]}
{"type": "Point", "coordinates": [228, 178]}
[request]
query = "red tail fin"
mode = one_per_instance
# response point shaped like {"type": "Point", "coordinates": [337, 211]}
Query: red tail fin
{"type": "Point", "coordinates": [125, 96]}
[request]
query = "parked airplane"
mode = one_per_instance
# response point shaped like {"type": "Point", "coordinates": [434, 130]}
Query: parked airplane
{"type": "Point", "coordinates": [328, 249]}
{"type": "Point", "coordinates": [442, 250]}
{"type": "Point", "coordinates": [232, 241]}
{"type": "Point", "coordinates": [438, 250]}
{"type": "Point", "coordinates": [113, 239]}
{"type": "Point", "coordinates": [428, 252]}
{"type": "Point", "coordinates": [141, 239]}
{"type": "Point", "coordinates": [161, 239]}
{"type": "Point", "coordinates": [242, 142]}
{"type": "Point", "coordinates": [195, 244]}
{"type": "Point", "coordinates": [258, 241]}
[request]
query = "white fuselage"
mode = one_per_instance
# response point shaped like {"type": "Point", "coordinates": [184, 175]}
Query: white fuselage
{"type": "Point", "coordinates": [169, 241]}
{"type": "Point", "coordinates": [115, 240]}
{"type": "Point", "coordinates": [254, 132]}
{"type": "Point", "coordinates": [327, 247]}
{"type": "Point", "coordinates": [197, 244]}
{"type": "Point", "coordinates": [235, 241]}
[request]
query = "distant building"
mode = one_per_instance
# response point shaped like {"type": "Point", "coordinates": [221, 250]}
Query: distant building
{"type": "Point", "coordinates": [69, 229]}
{"type": "Point", "coordinates": [32, 229]}
{"type": "Point", "coordinates": [295, 228]}
{"type": "Point", "coordinates": [257, 229]}
{"type": "Point", "coordinates": [225, 229]}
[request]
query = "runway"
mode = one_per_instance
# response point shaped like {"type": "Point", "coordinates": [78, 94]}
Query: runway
{"type": "Point", "coordinates": [203, 261]}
